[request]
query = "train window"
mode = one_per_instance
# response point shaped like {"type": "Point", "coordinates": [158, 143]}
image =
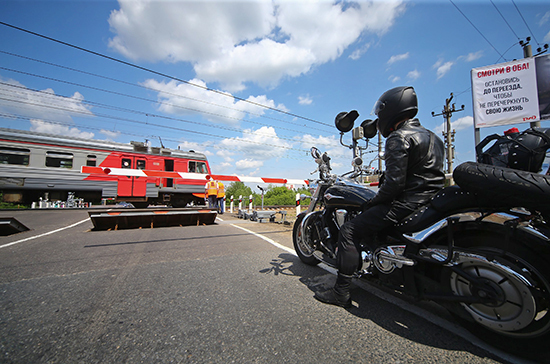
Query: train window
{"type": "Point", "coordinates": [126, 163]}
{"type": "Point", "coordinates": [140, 164]}
{"type": "Point", "coordinates": [91, 160]}
{"type": "Point", "coordinates": [15, 156]}
{"type": "Point", "coordinates": [197, 167]}
{"type": "Point", "coordinates": [201, 167]}
{"type": "Point", "coordinates": [59, 160]}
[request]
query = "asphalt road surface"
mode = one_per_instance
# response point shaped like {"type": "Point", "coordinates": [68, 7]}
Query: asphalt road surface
{"type": "Point", "coordinates": [231, 292]}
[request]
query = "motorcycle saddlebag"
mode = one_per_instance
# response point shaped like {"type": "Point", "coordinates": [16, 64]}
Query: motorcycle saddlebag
{"type": "Point", "coordinates": [523, 151]}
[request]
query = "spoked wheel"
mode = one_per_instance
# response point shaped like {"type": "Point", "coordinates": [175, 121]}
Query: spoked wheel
{"type": "Point", "coordinates": [304, 244]}
{"type": "Point", "coordinates": [515, 288]}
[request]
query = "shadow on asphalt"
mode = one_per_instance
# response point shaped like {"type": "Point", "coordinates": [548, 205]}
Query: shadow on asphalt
{"type": "Point", "coordinates": [369, 307]}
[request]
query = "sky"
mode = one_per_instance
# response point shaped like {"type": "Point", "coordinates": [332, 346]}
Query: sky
{"type": "Point", "coordinates": [252, 84]}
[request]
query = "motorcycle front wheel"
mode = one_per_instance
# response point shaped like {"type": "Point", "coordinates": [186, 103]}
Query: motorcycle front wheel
{"type": "Point", "coordinates": [518, 320]}
{"type": "Point", "coordinates": [304, 245]}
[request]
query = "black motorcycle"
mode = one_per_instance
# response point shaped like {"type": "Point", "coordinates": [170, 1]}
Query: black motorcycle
{"type": "Point", "coordinates": [481, 249]}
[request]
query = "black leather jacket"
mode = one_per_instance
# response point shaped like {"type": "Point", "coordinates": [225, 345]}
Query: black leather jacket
{"type": "Point", "coordinates": [414, 158]}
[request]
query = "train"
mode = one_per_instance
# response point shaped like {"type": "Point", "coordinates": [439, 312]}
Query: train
{"type": "Point", "coordinates": [37, 166]}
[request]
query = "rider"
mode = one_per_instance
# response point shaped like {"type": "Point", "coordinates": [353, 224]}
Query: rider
{"type": "Point", "coordinates": [414, 159]}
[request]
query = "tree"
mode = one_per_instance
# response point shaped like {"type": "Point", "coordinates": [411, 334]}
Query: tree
{"type": "Point", "coordinates": [237, 189]}
{"type": "Point", "coordinates": [280, 196]}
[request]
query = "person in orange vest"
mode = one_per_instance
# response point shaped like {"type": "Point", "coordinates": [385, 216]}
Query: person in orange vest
{"type": "Point", "coordinates": [211, 190]}
{"type": "Point", "coordinates": [221, 198]}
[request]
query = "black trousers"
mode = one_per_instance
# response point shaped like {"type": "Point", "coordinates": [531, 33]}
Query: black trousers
{"type": "Point", "coordinates": [363, 228]}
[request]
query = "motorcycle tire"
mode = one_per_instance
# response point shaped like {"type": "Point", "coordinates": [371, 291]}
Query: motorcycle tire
{"type": "Point", "coordinates": [505, 186]}
{"type": "Point", "coordinates": [302, 248]}
{"type": "Point", "coordinates": [520, 322]}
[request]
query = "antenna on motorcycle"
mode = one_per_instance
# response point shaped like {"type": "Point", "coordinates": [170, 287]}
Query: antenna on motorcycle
{"type": "Point", "coordinates": [344, 120]}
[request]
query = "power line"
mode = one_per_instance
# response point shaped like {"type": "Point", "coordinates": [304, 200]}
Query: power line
{"type": "Point", "coordinates": [487, 40]}
{"type": "Point", "coordinates": [158, 73]}
{"type": "Point", "coordinates": [57, 107]}
{"type": "Point", "coordinates": [82, 126]}
{"type": "Point", "coordinates": [134, 97]}
{"type": "Point", "coordinates": [122, 109]}
{"type": "Point", "coordinates": [146, 88]}
{"type": "Point", "coordinates": [503, 18]}
{"type": "Point", "coordinates": [527, 25]}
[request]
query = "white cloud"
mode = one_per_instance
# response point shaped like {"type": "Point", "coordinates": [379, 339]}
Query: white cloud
{"type": "Point", "coordinates": [262, 144]}
{"type": "Point", "coordinates": [226, 155]}
{"type": "Point", "coordinates": [44, 104]}
{"type": "Point", "coordinates": [394, 79]}
{"type": "Point", "coordinates": [547, 37]}
{"type": "Point", "coordinates": [442, 68]}
{"type": "Point", "coordinates": [544, 19]}
{"type": "Point", "coordinates": [40, 126]}
{"type": "Point", "coordinates": [251, 41]}
{"type": "Point", "coordinates": [111, 135]}
{"type": "Point", "coordinates": [413, 75]}
{"type": "Point", "coordinates": [184, 99]}
{"type": "Point", "coordinates": [460, 124]}
{"type": "Point", "coordinates": [473, 56]}
{"type": "Point", "coordinates": [356, 54]}
{"type": "Point", "coordinates": [398, 57]}
{"type": "Point", "coordinates": [248, 164]}
{"type": "Point", "coordinates": [197, 147]}
{"type": "Point", "coordinates": [305, 100]}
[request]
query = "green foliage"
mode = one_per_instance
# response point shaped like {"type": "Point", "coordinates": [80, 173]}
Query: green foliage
{"type": "Point", "coordinates": [273, 195]}
{"type": "Point", "coordinates": [280, 196]}
{"type": "Point", "coordinates": [237, 189]}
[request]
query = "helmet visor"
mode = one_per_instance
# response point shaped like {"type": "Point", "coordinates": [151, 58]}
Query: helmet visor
{"type": "Point", "coordinates": [378, 106]}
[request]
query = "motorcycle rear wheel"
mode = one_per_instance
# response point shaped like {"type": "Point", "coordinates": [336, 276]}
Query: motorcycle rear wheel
{"type": "Point", "coordinates": [304, 245]}
{"type": "Point", "coordinates": [520, 321]}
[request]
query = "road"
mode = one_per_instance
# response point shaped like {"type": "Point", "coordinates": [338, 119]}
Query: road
{"type": "Point", "coordinates": [231, 292]}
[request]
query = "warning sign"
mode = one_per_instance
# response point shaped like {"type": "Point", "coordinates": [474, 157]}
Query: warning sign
{"type": "Point", "coordinates": [505, 93]}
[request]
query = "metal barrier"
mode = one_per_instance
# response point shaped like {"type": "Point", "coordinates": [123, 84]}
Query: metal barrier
{"type": "Point", "coordinates": [151, 218]}
{"type": "Point", "coordinates": [10, 225]}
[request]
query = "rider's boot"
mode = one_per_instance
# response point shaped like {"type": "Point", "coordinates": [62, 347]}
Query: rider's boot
{"type": "Point", "coordinates": [338, 295]}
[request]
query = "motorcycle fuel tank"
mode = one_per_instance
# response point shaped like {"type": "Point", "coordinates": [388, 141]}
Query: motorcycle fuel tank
{"type": "Point", "coordinates": [348, 195]}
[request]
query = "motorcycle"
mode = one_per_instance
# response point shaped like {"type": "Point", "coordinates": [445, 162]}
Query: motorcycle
{"type": "Point", "coordinates": [481, 248]}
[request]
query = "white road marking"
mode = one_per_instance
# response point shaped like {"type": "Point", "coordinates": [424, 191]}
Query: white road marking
{"type": "Point", "coordinates": [270, 241]}
{"type": "Point", "coordinates": [48, 233]}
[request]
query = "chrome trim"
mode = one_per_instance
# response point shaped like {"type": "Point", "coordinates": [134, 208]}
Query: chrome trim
{"type": "Point", "coordinates": [330, 196]}
{"type": "Point", "coordinates": [422, 235]}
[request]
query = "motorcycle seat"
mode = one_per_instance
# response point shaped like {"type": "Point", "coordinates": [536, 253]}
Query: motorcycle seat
{"type": "Point", "coordinates": [445, 202]}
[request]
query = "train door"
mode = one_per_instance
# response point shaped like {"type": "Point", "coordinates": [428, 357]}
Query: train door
{"type": "Point", "coordinates": [132, 186]}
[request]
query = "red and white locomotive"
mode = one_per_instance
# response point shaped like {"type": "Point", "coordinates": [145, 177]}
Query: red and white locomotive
{"type": "Point", "coordinates": [32, 164]}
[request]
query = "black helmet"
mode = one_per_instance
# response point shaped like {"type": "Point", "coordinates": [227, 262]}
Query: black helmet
{"type": "Point", "coordinates": [395, 105]}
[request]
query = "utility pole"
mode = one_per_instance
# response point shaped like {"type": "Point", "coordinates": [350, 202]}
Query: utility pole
{"type": "Point", "coordinates": [528, 52]}
{"type": "Point", "coordinates": [448, 135]}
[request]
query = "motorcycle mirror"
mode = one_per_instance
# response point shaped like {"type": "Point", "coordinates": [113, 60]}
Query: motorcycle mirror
{"type": "Point", "coordinates": [369, 128]}
{"type": "Point", "coordinates": [326, 158]}
{"type": "Point", "coordinates": [344, 120]}
{"type": "Point", "coordinates": [315, 153]}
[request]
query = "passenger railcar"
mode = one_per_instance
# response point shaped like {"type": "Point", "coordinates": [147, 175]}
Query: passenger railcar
{"type": "Point", "coordinates": [35, 164]}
